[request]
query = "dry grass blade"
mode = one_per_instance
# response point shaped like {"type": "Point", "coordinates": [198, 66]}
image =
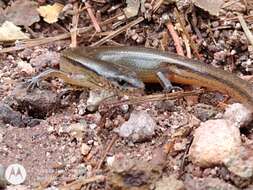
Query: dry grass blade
{"type": "Point", "coordinates": [192, 43]}
{"type": "Point", "coordinates": [175, 38]}
{"type": "Point", "coordinates": [117, 32]}
{"type": "Point", "coordinates": [153, 97]}
{"type": "Point", "coordinates": [187, 46]}
{"type": "Point", "coordinates": [245, 29]}
{"type": "Point", "coordinates": [92, 17]}
{"type": "Point", "coordinates": [73, 31]}
{"type": "Point", "coordinates": [41, 41]}
{"type": "Point", "coordinates": [248, 17]}
{"type": "Point", "coordinates": [115, 137]}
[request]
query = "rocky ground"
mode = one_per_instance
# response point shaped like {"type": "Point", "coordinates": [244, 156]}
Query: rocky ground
{"type": "Point", "coordinates": [198, 142]}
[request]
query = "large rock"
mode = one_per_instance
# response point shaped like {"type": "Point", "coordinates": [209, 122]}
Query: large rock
{"type": "Point", "coordinates": [214, 141]}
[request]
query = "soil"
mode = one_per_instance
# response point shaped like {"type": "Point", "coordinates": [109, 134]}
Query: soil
{"type": "Point", "coordinates": [42, 137]}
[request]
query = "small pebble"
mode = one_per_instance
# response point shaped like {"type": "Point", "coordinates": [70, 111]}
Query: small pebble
{"type": "Point", "coordinates": [204, 111]}
{"type": "Point", "coordinates": [124, 108]}
{"type": "Point", "coordinates": [95, 97]}
{"type": "Point", "coordinates": [89, 168]}
{"type": "Point", "coordinates": [179, 146]}
{"type": "Point", "coordinates": [215, 24]}
{"type": "Point", "coordinates": [220, 56]}
{"type": "Point", "coordinates": [75, 130]}
{"type": "Point", "coordinates": [238, 26]}
{"type": "Point", "coordinates": [140, 127]}
{"type": "Point", "coordinates": [93, 126]}
{"type": "Point", "coordinates": [26, 67]}
{"type": "Point", "coordinates": [85, 149]}
{"type": "Point", "coordinates": [241, 163]}
{"type": "Point", "coordinates": [95, 143]}
{"type": "Point", "coordinates": [238, 114]}
{"type": "Point", "coordinates": [81, 107]}
{"type": "Point", "coordinates": [81, 171]}
{"type": "Point", "coordinates": [110, 160]}
{"type": "Point", "coordinates": [90, 142]}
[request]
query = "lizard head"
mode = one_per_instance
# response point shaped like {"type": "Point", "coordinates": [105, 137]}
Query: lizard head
{"type": "Point", "coordinates": [132, 81]}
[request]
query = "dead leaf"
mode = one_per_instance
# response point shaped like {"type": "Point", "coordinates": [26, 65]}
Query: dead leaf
{"type": "Point", "coordinates": [50, 13]}
{"type": "Point", "coordinates": [10, 32]}
{"type": "Point", "coordinates": [22, 13]}
{"type": "Point", "coordinates": [211, 6]}
{"type": "Point", "coordinates": [132, 8]}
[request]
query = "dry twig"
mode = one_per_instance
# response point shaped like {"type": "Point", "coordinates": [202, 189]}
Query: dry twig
{"type": "Point", "coordinates": [41, 41]}
{"type": "Point", "coordinates": [245, 29]}
{"type": "Point", "coordinates": [182, 164]}
{"type": "Point", "coordinates": [164, 41]}
{"type": "Point", "coordinates": [117, 32]}
{"type": "Point", "coordinates": [175, 38]}
{"type": "Point", "coordinates": [235, 18]}
{"type": "Point", "coordinates": [187, 46]}
{"type": "Point", "coordinates": [157, 5]}
{"type": "Point", "coordinates": [192, 43]}
{"type": "Point", "coordinates": [92, 17]}
{"type": "Point", "coordinates": [73, 31]}
{"type": "Point", "coordinates": [153, 97]}
{"type": "Point", "coordinates": [108, 148]}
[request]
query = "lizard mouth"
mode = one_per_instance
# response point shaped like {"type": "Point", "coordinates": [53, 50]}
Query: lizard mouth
{"type": "Point", "coordinates": [137, 83]}
{"type": "Point", "coordinates": [132, 82]}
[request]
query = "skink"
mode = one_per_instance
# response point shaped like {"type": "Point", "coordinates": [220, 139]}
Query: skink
{"type": "Point", "coordinates": [153, 65]}
{"type": "Point", "coordinates": [81, 71]}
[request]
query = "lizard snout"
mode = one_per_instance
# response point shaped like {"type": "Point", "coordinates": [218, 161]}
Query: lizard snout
{"type": "Point", "coordinates": [135, 82]}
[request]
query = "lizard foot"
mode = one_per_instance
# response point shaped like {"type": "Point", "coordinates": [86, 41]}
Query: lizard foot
{"type": "Point", "coordinates": [32, 83]}
{"type": "Point", "coordinates": [173, 89]}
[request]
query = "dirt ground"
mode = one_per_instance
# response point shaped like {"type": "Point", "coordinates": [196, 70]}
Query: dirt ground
{"type": "Point", "coordinates": [61, 144]}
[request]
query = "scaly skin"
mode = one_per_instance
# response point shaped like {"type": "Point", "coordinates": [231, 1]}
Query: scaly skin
{"type": "Point", "coordinates": [93, 67]}
{"type": "Point", "coordinates": [78, 75]}
{"type": "Point", "coordinates": [146, 63]}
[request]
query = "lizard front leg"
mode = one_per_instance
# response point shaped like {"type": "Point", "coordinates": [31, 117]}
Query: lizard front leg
{"type": "Point", "coordinates": [80, 80]}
